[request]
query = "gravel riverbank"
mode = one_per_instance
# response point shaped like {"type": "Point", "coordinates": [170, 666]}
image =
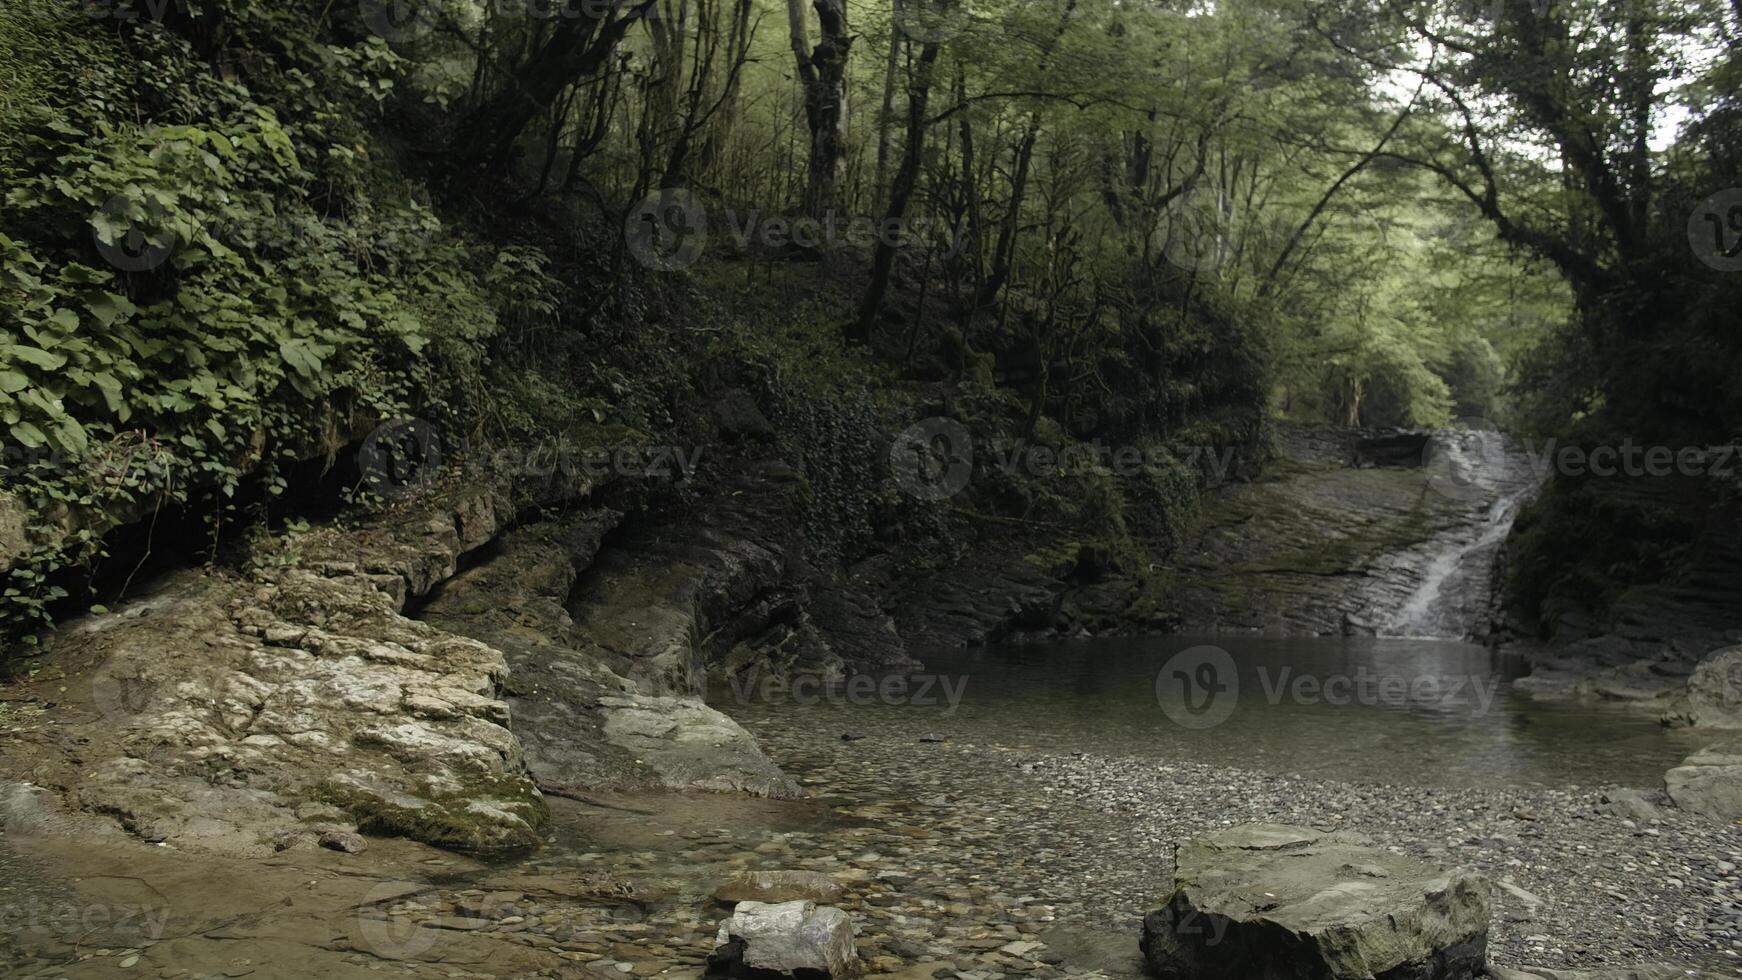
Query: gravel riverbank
{"type": "Point", "coordinates": [1092, 837]}
{"type": "Point", "coordinates": [975, 857]}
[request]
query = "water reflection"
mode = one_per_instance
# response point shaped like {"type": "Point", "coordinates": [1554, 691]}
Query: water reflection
{"type": "Point", "coordinates": [1362, 709]}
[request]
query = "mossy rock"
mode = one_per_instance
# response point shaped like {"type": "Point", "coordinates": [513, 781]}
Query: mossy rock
{"type": "Point", "coordinates": [492, 812]}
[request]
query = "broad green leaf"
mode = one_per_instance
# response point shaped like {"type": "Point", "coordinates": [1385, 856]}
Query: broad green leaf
{"type": "Point", "coordinates": [35, 355]}
{"type": "Point", "coordinates": [71, 436]}
{"type": "Point", "coordinates": [108, 307]}
{"type": "Point", "coordinates": [28, 434]}
{"type": "Point", "coordinates": [302, 355]}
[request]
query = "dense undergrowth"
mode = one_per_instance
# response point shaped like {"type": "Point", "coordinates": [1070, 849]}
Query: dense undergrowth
{"type": "Point", "coordinates": [211, 270]}
{"type": "Point", "coordinates": [221, 257]}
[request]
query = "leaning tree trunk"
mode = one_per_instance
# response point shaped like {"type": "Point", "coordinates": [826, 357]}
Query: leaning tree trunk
{"type": "Point", "coordinates": [822, 71]}
{"type": "Point", "coordinates": [1004, 254]}
{"type": "Point", "coordinates": [900, 192]}
{"type": "Point", "coordinates": [886, 115]}
{"type": "Point", "coordinates": [576, 49]}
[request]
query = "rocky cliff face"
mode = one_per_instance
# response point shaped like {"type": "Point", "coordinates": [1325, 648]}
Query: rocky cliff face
{"type": "Point", "coordinates": [1348, 529]}
{"type": "Point", "coordinates": [249, 713]}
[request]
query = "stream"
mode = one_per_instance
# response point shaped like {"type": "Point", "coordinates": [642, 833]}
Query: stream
{"type": "Point", "coordinates": [1395, 711]}
{"type": "Point", "coordinates": [1021, 796]}
{"type": "Point", "coordinates": [1480, 468]}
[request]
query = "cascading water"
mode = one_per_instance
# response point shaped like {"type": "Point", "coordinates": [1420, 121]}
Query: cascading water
{"type": "Point", "coordinates": [1473, 468]}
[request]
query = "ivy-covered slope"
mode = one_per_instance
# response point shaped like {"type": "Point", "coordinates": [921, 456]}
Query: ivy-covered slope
{"type": "Point", "coordinates": [207, 269]}
{"type": "Point", "coordinates": [225, 251]}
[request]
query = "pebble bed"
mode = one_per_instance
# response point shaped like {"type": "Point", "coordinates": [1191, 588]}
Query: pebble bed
{"type": "Point", "coordinates": [976, 861]}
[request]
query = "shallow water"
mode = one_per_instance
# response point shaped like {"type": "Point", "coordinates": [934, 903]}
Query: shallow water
{"type": "Point", "coordinates": [955, 846]}
{"type": "Point", "coordinates": [1420, 712]}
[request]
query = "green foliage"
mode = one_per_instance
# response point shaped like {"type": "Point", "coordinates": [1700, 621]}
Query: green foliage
{"type": "Point", "coordinates": [202, 278]}
{"type": "Point", "coordinates": [817, 397]}
{"type": "Point", "coordinates": [1585, 541]}
{"type": "Point", "coordinates": [1475, 376]}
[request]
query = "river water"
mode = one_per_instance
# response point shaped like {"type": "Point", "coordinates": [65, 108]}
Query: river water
{"type": "Point", "coordinates": [1400, 711]}
{"type": "Point", "coordinates": [1015, 794]}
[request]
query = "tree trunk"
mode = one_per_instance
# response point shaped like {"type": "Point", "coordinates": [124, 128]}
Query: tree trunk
{"type": "Point", "coordinates": [575, 50]}
{"type": "Point", "coordinates": [1004, 254]}
{"type": "Point", "coordinates": [886, 115]}
{"type": "Point", "coordinates": [900, 192]}
{"type": "Point", "coordinates": [822, 73]}
{"type": "Point", "coordinates": [726, 115]}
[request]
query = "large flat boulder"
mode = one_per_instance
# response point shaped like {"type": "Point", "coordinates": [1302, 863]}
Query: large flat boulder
{"type": "Point", "coordinates": [1708, 783]}
{"type": "Point", "coordinates": [584, 724]}
{"type": "Point", "coordinates": [1274, 902]}
{"type": "Point", "coordinates": [1713, 698]}
{"type": "Point", "coordinates": [245, 714]}
{"type": "Point", "coordinates": [689, 745]}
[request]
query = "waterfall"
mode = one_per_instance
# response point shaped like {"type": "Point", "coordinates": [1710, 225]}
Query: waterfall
{"type": "Point", "coordinates": [1472, 469]}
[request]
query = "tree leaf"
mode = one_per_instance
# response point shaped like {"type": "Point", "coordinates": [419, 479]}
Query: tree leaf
{"type": "Point", "coordinates": [37, 356]}
{"type": "Point", "coordinates": [28, 434]}
{"type": "Point", "coordinates": [108, 307]}
{"type": "Point", "coordinates": [71, 436]}
{"type": "Point", "coordinates": [303, 355]}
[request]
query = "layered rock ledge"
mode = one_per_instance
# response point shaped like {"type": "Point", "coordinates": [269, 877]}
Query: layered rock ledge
{"type": "Point", "coordinates": [1275, 901]}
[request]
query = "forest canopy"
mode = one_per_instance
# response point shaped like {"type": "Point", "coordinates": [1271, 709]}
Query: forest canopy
{"type": "Point", "coordinates": [235, 234]}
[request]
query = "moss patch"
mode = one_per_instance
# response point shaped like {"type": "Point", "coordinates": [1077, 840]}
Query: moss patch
{"type": "Point", "coordinates": [469, 819]}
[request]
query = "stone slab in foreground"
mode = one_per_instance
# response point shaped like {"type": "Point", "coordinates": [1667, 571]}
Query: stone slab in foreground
{"type": "Point", "coordinates": [1708, 783]}
{"type": "Point", "coordinates": [794, 939]}
{"type": "Point", "coordinates": [1273, 902]}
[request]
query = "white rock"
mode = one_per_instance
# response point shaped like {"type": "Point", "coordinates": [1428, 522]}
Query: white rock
{"type": "Point", "coordinates": [788, 937]}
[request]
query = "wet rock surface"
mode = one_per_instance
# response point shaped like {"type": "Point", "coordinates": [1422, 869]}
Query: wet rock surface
{"type": "Point", "coordinates": [794, 939]}
{"type": "Point", "coordinates": [780, 886]}
{"type": "Point", "coordinates": [297, 704]}
{"type": "Point", "coordinates": [1708, 783]}
{"type": "Point", "coordinates": [978, 600]}
{"type": "Point", "coordinates": [1649, 971]}
{"type": "Point", "coordinates": [1267, 900]}
{"type": "Point", "coordinates": [585, 724]}
{"type": "Point", "coordinates": [1328, 543]}
{"type": "Point", "coordinates": [249, 715]}
{"type": "Point", "coordinates": [690, 745]}
{"type": "Point", "coordinates": [1712, 697]}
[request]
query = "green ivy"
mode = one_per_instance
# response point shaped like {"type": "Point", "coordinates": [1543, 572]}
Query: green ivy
{"type": "Point", "coordinates": [205, 271]}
